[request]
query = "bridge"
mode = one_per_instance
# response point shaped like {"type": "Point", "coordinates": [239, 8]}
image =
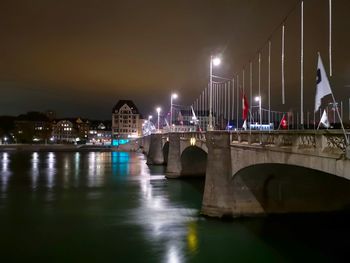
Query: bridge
{"type": "Point", "coordinates": [249, 173]}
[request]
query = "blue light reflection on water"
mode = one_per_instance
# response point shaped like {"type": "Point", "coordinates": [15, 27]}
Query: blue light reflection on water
{"type": "Point", "coordinates": [120, 163]}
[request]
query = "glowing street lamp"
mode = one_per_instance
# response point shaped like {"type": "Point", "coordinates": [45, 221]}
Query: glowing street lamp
{"type": "Point", "coordinates": [173, 96]}
{"type": "Point", "coordinates": [214, 61]}
{"type": "Point", "coordinates": [158, 112]}
{"type": "Point", "coordinates": [258, 99]}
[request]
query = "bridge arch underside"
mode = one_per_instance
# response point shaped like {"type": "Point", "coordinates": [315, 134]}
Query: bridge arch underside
{"type": "Point", "coordinates": [193, 161]}
{"type": "Point", "coordinates": [279, 188]}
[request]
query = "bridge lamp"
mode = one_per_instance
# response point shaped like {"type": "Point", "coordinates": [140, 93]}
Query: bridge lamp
{"type": "Point", "coordinates": [158, 112]}
{"type": "Point", "coordinates": [214, 61]}
{"type": "Point", "coordinates": [193, 141]}
{"type": "Point", "coordinates": [173, 97]}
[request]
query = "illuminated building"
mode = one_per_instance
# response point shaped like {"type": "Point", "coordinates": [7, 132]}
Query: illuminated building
{"type": "Point", "coordinates": [126, 120]}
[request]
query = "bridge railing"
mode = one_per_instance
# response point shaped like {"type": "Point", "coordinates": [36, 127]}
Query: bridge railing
{"type": "Point", "coordinates": [330, 140]}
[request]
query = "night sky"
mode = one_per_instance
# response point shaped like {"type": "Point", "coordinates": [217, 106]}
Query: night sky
{"type": "Point", "coordinates": [80, 57]}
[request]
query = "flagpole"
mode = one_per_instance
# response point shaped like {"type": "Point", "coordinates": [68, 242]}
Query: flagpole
{"type": "Point", "coordinates": [269, 84]}
{"type": "Point", "coordinates": [302, 67]}
{"type": "Point", "coordinates": [251, 87]}
{"type": "Point", "coordinates": [319, 122]}
{"type": "Point", "coordinates": [233, 99]}
{"type": "Point", "coordinates": [260, 89]}
{"type": "Point", "coordinates": [341, 121]}
{"type": "Point", "coordinates": [330, 39]}
{"type": "Point", "coordinates": [237, 100]}
{"type": "Point", "coordinates": [282, 61]}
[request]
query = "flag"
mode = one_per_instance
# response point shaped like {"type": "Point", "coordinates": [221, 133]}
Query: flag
{"type": "Point", "coordinates": [323, 87]}
{"type": "Point", "coordinates": [194, 118]}
{"type": "Point", "coordinates": [245, 107]}
{"type": "Point", "coordinates": [324, 120]}
{"type": "Point", "coordinates": [180, 118]}
{"type": "Point", "coordinates": [244, 126]}
{"type": "Point", "coordinates": [284, 123]}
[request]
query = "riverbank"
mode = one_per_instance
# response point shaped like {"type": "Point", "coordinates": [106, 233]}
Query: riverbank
{"type": "Point", "coordinates": [60, 148]}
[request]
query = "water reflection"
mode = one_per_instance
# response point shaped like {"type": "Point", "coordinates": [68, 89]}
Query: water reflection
{"type": "Point", "coordinates": [35, 161]}
{"type": "Point", "coordinates": [66, 171]}
{"type": "Point", "coordinates": [173, 255]}
{"type": "Point", "coordinates": [76, 169]}
{"type": "Point", "coordinates": [5, 173]}
{"type": "Point", "coordinates": [192, 237]}
{"type": "Point", "coordinates": [51, 169]}
{"type": "Point", "coordinates": [165, 221]}
{"type": "Point", "coordinates": [96, 169]}
{"type": "Point", "coordinates": [120, 163]}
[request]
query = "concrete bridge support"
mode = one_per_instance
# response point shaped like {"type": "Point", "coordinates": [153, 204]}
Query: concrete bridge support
{"type": "Point", "coordinates": [155, 154]}
{"type": "Point", "coordinates": [145, 143]}
{"type": "Point", "coordinates": [173, 169]}
{"type": "Point", "coordinates": [218, 198]}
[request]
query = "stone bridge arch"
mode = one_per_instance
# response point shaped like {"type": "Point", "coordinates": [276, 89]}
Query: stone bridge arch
{"type": "Point", "coordinates": [230, 190]}
{"type": "Point", "coordinates": [193, 161]}
{"type": "Point", "coordinates": [187, 155]}
{"type": "Point", "coordinates": [245, 156]}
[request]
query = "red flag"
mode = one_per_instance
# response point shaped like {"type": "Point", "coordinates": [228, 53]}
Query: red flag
{"type": "Point", "coordinates": [284, 123]}
{"type": "Point", "coordinates": [245, 107]}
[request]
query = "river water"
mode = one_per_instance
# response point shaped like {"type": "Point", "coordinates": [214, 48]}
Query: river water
{"type": "Point", "coordinates": [112, 207]}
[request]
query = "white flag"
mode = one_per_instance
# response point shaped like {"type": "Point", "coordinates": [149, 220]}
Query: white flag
{"type": "Point", "coordinates": [244, 125]}
{"type": "Point", "coordinates": [324, 119]}
{"type": "Point", "coordinates": [194, 118]}
{"type": "Point", "coordinates": [323, 87]}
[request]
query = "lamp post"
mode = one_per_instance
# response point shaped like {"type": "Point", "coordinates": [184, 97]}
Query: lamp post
{"type": "Point", "coordinates": [258, 99]}
{"type": "Point", "coordinates": [173, 96]}
{"type": "Point", "coordinates": [158, 112]}
{"type": "Point", "coordinates": [214, 61]}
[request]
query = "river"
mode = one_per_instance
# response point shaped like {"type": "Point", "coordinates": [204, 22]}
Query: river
{"type": "Point", "coordinates": [112, 207]}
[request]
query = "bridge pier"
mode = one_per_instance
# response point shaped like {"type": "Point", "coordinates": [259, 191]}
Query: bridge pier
{"type": "Point", "coordinates": [155, 154]}
{"type": "Point", "coordinates": [173, 169]}
{"type": "Point", "coordinates": [145, 143]}
{"type": "Point", "coordinates": [218, 197]}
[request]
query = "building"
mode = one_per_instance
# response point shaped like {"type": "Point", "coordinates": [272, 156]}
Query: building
{"type": "Point", "coordinates": [70, 130]}
{"type": "Point", "coordinates": [126, 120]}
{"type": "Point", "coordinates": [63, 131]}
{"type": "Point", "coordinates": [32, 127]}
{"type": "Point", "coordinates": [100, 132]}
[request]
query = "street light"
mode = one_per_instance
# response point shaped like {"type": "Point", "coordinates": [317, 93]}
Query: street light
{"type": "Point", "coordinates": [214, 61]}
{"type": "Point", "coordinates": [173, 96]}
{"type": "Point", "coordinates": [258, 99]}
{"type": "Point", "coordinates": [158, 112]}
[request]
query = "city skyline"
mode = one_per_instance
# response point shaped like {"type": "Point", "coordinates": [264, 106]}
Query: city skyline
{"type": "Point", "coordinates": [80, 59]}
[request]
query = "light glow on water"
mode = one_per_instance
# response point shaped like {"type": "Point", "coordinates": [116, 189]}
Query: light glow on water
{"type": "Point", "coordinates": [35, 170]}
{"type": "Point", "coordinates": [51, 170]}
{"type": "Point", "coordinates": [5, 173]}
